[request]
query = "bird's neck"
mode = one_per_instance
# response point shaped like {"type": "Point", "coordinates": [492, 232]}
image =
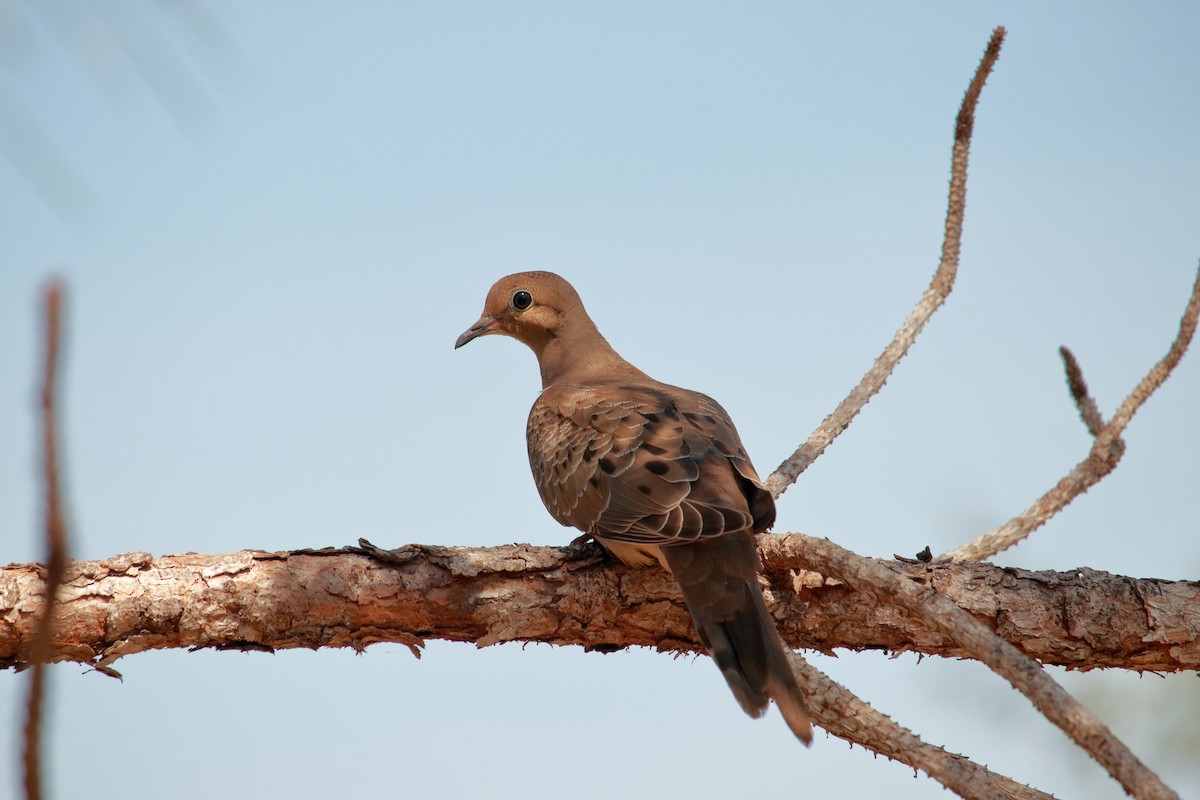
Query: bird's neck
{"type": "Point", "coordinates": [580, 354]}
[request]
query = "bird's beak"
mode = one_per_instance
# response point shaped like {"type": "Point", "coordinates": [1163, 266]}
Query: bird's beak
{"type": "Point", "coordinates": [483, 327]}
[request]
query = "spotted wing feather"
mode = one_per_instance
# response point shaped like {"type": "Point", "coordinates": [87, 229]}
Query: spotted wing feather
{"type": "Point", "coordinates": [643, 465]}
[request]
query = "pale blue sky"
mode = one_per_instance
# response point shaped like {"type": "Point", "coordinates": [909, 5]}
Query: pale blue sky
{"type": "Point", "coordinates": [276, 218]}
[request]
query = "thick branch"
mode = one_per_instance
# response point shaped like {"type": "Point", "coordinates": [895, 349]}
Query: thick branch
{"type": "Point", "coordinates": [1022, 672]}
{"type": "Point", "coordinates": [342, 598]}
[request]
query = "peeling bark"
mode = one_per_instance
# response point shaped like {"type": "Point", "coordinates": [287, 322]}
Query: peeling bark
{"type": "Point", "coordinates": [354, 597]}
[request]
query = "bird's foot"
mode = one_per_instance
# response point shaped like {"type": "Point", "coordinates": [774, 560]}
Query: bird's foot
{"type": "Point", "coordinates": [581, 540]}
{"type": "Point", "coordinates": [585, 546]}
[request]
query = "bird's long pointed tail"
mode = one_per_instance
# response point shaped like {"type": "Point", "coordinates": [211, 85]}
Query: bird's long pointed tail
{"type": "Point", "coordinates": [719, 579]}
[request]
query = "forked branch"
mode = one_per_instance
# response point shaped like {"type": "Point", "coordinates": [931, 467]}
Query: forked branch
{"type": "Point", "coordinates": [1025, 674]}
{"type": "Point", "coordinates": [1106, 451]}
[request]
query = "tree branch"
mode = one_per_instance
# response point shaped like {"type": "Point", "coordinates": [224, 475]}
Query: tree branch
{"type": "Point", "coordinates": [1106, 449]}
{"type": "Point", "coordinates": [943, 281]}
{"type": "Point", "coordinates": [939, 289]}
{"type": "Point", "coordinates": [56, 547]}
{"type": "Point", "coordinates": [841, 713]}
{"type": "Point", "coordinates": [1082, 619]}
{"type": "Point", "coordinates": [354, 597]}
{"type": "Point", "coordinates": [1023, 673]}
{"type": "Point", "coordinates": [1089, 412]}
{"type": "Point", "coordinates": [1051, 699]}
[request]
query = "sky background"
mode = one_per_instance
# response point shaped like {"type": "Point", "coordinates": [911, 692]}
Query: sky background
{"type": "Point", "coordinates": [274, 219]}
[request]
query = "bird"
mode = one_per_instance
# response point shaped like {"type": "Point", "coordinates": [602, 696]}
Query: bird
{"type": "Point", "coordinates": [655, 474]}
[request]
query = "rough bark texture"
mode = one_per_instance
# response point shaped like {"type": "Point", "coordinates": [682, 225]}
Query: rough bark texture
{"type": "Point", "coordinates": [354, 597]}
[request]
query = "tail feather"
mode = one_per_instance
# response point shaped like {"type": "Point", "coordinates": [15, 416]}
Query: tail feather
{"type": "Point", "coordinates": [719, 580]}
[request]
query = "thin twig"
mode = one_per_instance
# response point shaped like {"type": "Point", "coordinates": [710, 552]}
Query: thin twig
{"type": "Point", "coordinates": [56, 544]}
{"type": "Point", "coordinates": [1025, 674]}
{"type": "Point", "coordinates": [1089, 412]}
{"type": "Point", "coordinates": [840, 712]}
{"type": "Point", "coordinates": [939, 289]}
{"type": "Point", "coordinates": [1104, 456]}
{"type": "Point", "coordinates": [1160, 371]}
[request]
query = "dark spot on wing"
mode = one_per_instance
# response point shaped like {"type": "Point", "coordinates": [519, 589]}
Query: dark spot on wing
{"type": "Point", "coordinates": [657, 467]}
{"type": "Point", "coordinates": [594, 481]}
{"type": "Point", "coordinates": [607, 465]}
{"type": "Point", "coordinates": [644, 489]}
{"type": "Point", "coordinates": [588, 453]}
{"type": "Point", "coordinates": [653, 449]}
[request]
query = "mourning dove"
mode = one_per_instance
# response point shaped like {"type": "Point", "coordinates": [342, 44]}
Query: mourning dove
{"type": "Point", "coordinates": [654, 473]}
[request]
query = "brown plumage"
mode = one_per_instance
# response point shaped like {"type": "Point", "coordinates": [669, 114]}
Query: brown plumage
{"type": "Point", "coordinates": [655, 473]}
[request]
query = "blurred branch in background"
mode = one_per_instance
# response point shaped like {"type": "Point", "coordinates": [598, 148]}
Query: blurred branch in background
{"type": "Point", "coordinates": [40, 647]}
{"type": "Point", "coordinates": [36, 158]}
{"type": "Point", "coordinates": [174, 50]}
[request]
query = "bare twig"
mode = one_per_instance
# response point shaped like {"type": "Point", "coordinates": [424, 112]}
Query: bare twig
{"type": "Point", "coordinates": [939, 289]}
{"type": "Point", "coordinates": [840, 712]}
{"type": "Point", "coordinates": [1161, 371]}
{"type": "Point", "coordinates": [1025, 674]}
{"type": "Point", "coordinates": [1105, 453]}
{"type": "Point", "coordinates": [56, 544]}
{"type": "Point", "coordinates": [1089, 412]}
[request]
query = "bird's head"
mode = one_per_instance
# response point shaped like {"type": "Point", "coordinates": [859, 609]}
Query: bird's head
{"type": "Point", "coordinates": [532, 307]}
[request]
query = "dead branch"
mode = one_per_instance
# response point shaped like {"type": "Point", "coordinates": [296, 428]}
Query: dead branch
{"type": "Point", "coordinates": [354, 597]}
{"type": "Point", "coordinates": [346, 598]}
{"type": "Point", "coordinates": [841, 713]}
{"type": "Point", "coordinates": [40, 644]}
{"type": "Point", "coordinates": [1102, 459]}
{"type": "Point", "coordinates": [934, 296]}
{"type": "Point", "coordinates": [1089, 412]}
{"type": "Point", "coordinates": [1081, 619]}
{"type": "Point", "coordinates": [939, 289]}
{"type": "Point", "coordinates": [1025, 675]}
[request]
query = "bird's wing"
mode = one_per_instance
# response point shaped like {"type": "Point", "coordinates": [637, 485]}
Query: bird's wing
{"type": "Point", "coordinates": [651, 465]}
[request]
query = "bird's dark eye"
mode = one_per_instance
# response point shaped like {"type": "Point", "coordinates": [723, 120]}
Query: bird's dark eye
{"type": "Point", "coordinates": [521, 300]}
